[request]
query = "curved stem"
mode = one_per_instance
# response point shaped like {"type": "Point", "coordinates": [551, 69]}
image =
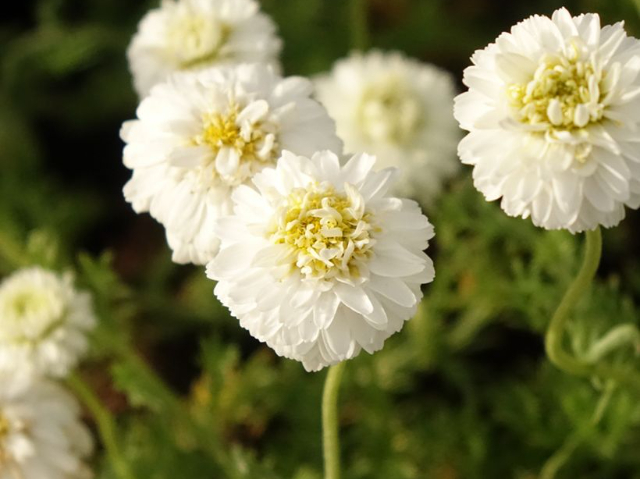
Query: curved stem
{"type": "Point", "coordinates": [105, 423]}
{"type": "Point", "coordinates": [555, 332]}
{"type": "Point", "coordinates": [330, 434]}
{"type": "Point", "coordinates": [359, 25]}
{"type": "Point", "coordinates": [553, 339]}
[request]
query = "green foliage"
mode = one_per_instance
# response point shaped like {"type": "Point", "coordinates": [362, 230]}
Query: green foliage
{"type": "Point", "coordinates": [463, 392]}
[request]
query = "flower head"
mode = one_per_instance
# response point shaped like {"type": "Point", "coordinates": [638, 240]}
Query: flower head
{"type": "Point", "coordinates": [194, 34]}
{"type": "Point", "coordinates": [319, 262]}
{"type": "Point", "coordinates": [40, 431]}
{"type": "Point", "coordinates": [553, 110]}
{"type": "Point", "coordinates": [201, 135]}
{"type": "Point", "coordinates": [399, 109]}
{"type": "Point", "coordinates": [43, 322]}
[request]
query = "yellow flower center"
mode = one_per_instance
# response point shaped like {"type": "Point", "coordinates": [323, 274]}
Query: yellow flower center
{"type": "Point", "coordinates": [328, 233]}
{"type": "Point", "coordinates": [4, 427]}
{"type": "Point", "coordinates": [564, 94]}
{"type": "Point", "coordinates": [254, 144]}
{"type": "Point", "coordinates": [4, 433]}
{"type": "Point", "coordinates": [222, 130]}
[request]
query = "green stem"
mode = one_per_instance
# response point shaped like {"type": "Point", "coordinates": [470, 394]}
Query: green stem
{"type": "Point", "coordinates": [105, 423]}
{"type": "Point", "coordinates": [330, 434]}
{"type": "Point", "coordinates": [553, 340]}
{"type": "Point", "coordinates": [560, 458]}
{"type": "Point", "coordinates": [359, 25]}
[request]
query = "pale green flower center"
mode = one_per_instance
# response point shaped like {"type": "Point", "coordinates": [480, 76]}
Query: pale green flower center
{"type": "Point", "coordinates": [564, 94]}
{"type": "Point", "coordinates": [30, 313]}
{"type": "Point", "coordinates": [327, 232]}
{"type": "Point", "coordinates": [389, 112]}
{"type": "Point", "coordinates": [193, 39]}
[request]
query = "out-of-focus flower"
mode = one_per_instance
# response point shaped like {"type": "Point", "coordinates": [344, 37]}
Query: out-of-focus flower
{"type": "Point", "coordinates": [192, 34]}
{"type": "Point", "coordinates": [400, 110]}
{"type": "Point", "coordinates": [201, 135]}
{"type": "Point", "coordinates": [43, 323]}
{"type": "Point", "coordinates": [41, 435]}
{"type": "Point", "coordinates": [553, 111]}
{"type": "Point", "coordinates": [319, 262]}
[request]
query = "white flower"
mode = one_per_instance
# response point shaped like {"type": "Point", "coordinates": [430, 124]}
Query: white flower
{"type": "Point", "coordinates": [200, 135]}
{"type": "Point", "coordinates": [401, 111]}
{"type": "Point", "coordinates": [192, 34]}
{"type": "Point", "coordinates": [41, 435]}
{"type": "Point", "coordinates": [43, 323]}
{"type": "Point", "coordinates": [553, 111]}
{"type": "Point", "coordinates": [319, 262]}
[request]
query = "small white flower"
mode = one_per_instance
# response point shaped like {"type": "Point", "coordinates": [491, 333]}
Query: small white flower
{"type": "Point", "coordinates": [201, 135]}
{"type": "Point", "coordinates": [553, 111]}
{"type": "Point", "coordinates": [193, 34]}
{"type": "Point", "coordinates": [43, 323]}
{"type": "Point", "coordinates": [41, 435]}
{"type": "Point", "coordinates": [400, 110]}
{"type": "Point", "coordinates": [319, 262]}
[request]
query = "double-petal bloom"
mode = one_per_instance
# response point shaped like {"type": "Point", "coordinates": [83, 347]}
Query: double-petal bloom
{"type": "Point", "coordinates": [201, 135]}
{"type": "Point", "coordinates": [553, 114]}
{"type": "Point", "coordinates": [318, 261]}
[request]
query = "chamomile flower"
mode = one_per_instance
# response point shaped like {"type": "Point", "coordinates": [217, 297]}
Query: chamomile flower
{"type": "Point", "coordinates": [199, 136]}
{"type": "Point", "coordinates": [40, 431]}
{"type": "Point", "coordinates": [319, 262]}
{"type": "Point", "coordinates": [553, 111]}
{"type": "Point", "coordinates": [44, 320]}
{"type": "Point", "coordinates": [400, 110]}
{"type": "Point", "coordinates": [193, 34]}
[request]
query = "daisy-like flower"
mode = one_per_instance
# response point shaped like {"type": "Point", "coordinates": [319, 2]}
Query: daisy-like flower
{"type": "Point", "coordinates": [201, 135]}
{"type": "Point", "coordinates": [319, 262]}
{"type": "Point", "coordinates": [193, 34]}
{"type": "Point", "coordinates": [401, 111]}
{"type": "Point", "coordinates": [553, 111]}
{"type": "Point", "coordinates": [43, 322]}
{"type": "Point", "coordinates": [41, 435]}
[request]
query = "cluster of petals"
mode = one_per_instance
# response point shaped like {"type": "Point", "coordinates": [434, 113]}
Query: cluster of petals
{"type": "Point", "coordinates": [553, 114]}
{"type": "Point", "coordinates": [193, 34]}
{"type": "Point", "coordinates": [400, 110]}
{"type": "Point", "coordinates": [41, 435]}
{"type": "Point", "coordinates": [44, 320]}
{"type": "Point", "coordinates": [318, 262]}
{"type": "Point", "coordinates": [201, 135]}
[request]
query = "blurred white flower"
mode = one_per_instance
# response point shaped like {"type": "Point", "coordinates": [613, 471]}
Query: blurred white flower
{"type": "Point", "coordinates": [319, 262]}
{"type": "Point", "coordinates": [201, 135]}
{"type": "Point", "coordinates": [43, 323]}
{"type": "Point", "coordinates": [193, 34]}
{"type": "Point", "coordinates": [553, 111]}
{"type": "Point", "coordinates": [401, 111]}
{"type": "Point", "coordinates": [41, 435]}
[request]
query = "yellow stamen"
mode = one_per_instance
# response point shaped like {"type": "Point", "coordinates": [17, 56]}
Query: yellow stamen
{"type": "Point", "coordinates": [326, 233]}
{"type": "Point", "coordinates": [563, 94]}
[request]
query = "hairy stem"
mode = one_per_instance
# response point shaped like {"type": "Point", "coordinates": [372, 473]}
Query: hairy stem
{"type": "Point", "coordinates": [106, 425]}
{"type": "Point", "coordinates": [359, 25]}
{"type": "Point", "coordinates": [555, 333]}
{"type": "Point", "coordinates": [330, 433]}
{"type": "Point", "coordinates": [557, 326]}
{"type": "Point", "coordinates": [562, 455]}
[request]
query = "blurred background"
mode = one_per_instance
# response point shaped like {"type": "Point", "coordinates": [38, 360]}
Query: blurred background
{"type": "Point", "coordinates": [465, 391]}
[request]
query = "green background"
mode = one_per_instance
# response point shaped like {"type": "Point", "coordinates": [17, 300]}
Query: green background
{"type": "Point", "coordinates": [463, 392]}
